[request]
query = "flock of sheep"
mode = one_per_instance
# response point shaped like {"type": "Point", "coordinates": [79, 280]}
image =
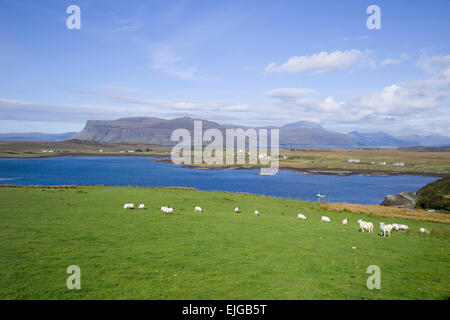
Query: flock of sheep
{"type": "Point", "coordinates": [368, 226]}
{"type": "Point", "coordinates": [364, 225]}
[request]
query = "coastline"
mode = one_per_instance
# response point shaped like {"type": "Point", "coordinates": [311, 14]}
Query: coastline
{"type": "Point", "coordinates": [324, 171]}
{"type": "Point", "coordinates": [304, 170]}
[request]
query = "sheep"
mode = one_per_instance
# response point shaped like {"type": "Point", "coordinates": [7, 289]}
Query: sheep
{"type": "Point", "coordinates": [325, 219]}
{"type": "Point", "coordinates": [345, 221]}
{"type": "Point", "coordinates": [385, 228]}
{"type": "Point", "coordinates": [141, 206]}
{"type": "Point", "coordinates": [166, 210]}
{"type": "Point", "coordinates": [128, 206]}
{"type": "Point", "coordinates": [423, 231]}
{"type": "Point", "coordinates": [364, 225]}
{"type": "Point", "coordinates": [256, 213]}
{"type": "Point", "coordinates": [237, 210]}
{"type": "Point", "coordinates": [198, 209]}
{"type": "Point", "coordinates": [301, 216]}
{"type": "Point", "coordinates": [398, 227]}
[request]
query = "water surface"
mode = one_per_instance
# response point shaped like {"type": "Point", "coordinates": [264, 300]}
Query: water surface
{"type": "Point", "coordinates": [147, 172]}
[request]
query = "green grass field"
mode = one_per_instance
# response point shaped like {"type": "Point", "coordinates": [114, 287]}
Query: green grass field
{"type": "Point", "coordinates": [143, 254]}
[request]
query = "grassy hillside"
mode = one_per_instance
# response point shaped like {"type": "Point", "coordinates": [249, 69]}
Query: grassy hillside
{"type": "Point", "coordinates": [435, 195]}
{"type": "Point", "coordinates": [143, 254]}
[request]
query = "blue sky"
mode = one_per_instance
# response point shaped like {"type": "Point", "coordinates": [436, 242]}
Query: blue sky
{"type": "Point", "coordinates": [242, 62]}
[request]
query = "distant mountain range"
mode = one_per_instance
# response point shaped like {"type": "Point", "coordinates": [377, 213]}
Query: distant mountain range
{"type": "Point", "coordinates": [36, 136]}
{"type": "Point", "coordinates": [158, 131]}
{"type": "Point", "coordinates": [301, 133]}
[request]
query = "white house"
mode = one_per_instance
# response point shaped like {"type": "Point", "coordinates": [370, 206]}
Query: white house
{"type": "Point", "coordinates": [400, 164]}
{"type": "Point", "coordinates": [354, 160]}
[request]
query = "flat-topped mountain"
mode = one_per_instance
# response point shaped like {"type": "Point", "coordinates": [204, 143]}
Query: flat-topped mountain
{"type": "Point", "coordinates": [139, 129]}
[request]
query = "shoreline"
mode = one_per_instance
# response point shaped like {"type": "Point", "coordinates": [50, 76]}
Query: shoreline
{"type": "Point", "coordinates": [84, 154]}
{"type": "Point", "coordinates": [304, 170]}
{"type": "Point", "coordinates": [325, 171]}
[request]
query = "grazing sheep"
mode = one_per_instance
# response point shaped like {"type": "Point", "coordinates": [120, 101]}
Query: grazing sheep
{"type": "Point", "coordinates": [364, 225]}
{"type": "Point", "coordinates": [256, 213]}
{"type": "Point", "coordinates": [301, 216]}
{"type": "Point", "coordinates": [141, 206]}
{"type": "Point", "coordinates": [128, 206]}
{"type": "Point", "coordinates": [166, 210]}
{"type": "Point", "coordinates": [237, 210]}
{"type": "Point", "coordinates": [325, 219]}
{"type": "Point", "coordinates": [198, 209]}
{"type": "Point", "coordinates": [423, 231]}
{"type": "Point", "coordinates": [385, 228]}
{"type": "Point", "coordinates": [345, 221]}
{"type": "Point", "coordinates": [404, 227]}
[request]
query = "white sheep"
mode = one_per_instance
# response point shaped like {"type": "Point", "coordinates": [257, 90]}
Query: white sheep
{"type": "Point", "coordinates": [345, 221]}
{"type": "Point", "coordinates": [141, 206]}
{"type": "Point", "coordinates": [325, 219]}
{"type": "Point", "coordinates": [364, 225]}
{"type": "Point", "coordinates": [128, 206]}
{"type": "Point", "coordinates": [423, 231]}
{"type": "Point", "coordinates": [385, 228]}
{"type": "Point", "coordinates": [237, 210]}
{"type": "Point", "coordinates": [198, 209]}
{"type": "Point", "coordinates": [404, 227]}
{"type": "Point", "coordinates": [166, 210]}
{"type": "Point", "coordinates": [256, 213]}
{"type": "Point", "coordinates": [301, 216]}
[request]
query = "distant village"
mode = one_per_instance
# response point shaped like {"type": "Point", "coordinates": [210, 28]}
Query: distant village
{"type": "Point", "coordinates": [383, 163]}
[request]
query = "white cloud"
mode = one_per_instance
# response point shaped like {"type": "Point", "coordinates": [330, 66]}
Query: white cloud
{"type": "Point", "coordinates": [324, 62]}
{"type": "Point", "coordinates": [330, 105]}
{"type": "Point", "coordinates": [433, 64]}
{"type": "Point", "coordinates": [390, 61]}
{"type": "Point", "coordinates": [414, 96]}
{"type": "Point", "coordinates": [113, 107]}
{"type": "Point", "coordinates": [162, 58]}
{"type": "Point", "coordinates": [289, 93]}
{"type": "Point", "coordinates": [298, 98]}
{"type": "Point", "coordinates": [393, 61]}
{"type": "Point", "coordinates": [393, 104]}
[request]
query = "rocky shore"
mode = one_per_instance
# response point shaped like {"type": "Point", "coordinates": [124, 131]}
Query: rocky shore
{"type": "Point", "coordinates": [396, 200]}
